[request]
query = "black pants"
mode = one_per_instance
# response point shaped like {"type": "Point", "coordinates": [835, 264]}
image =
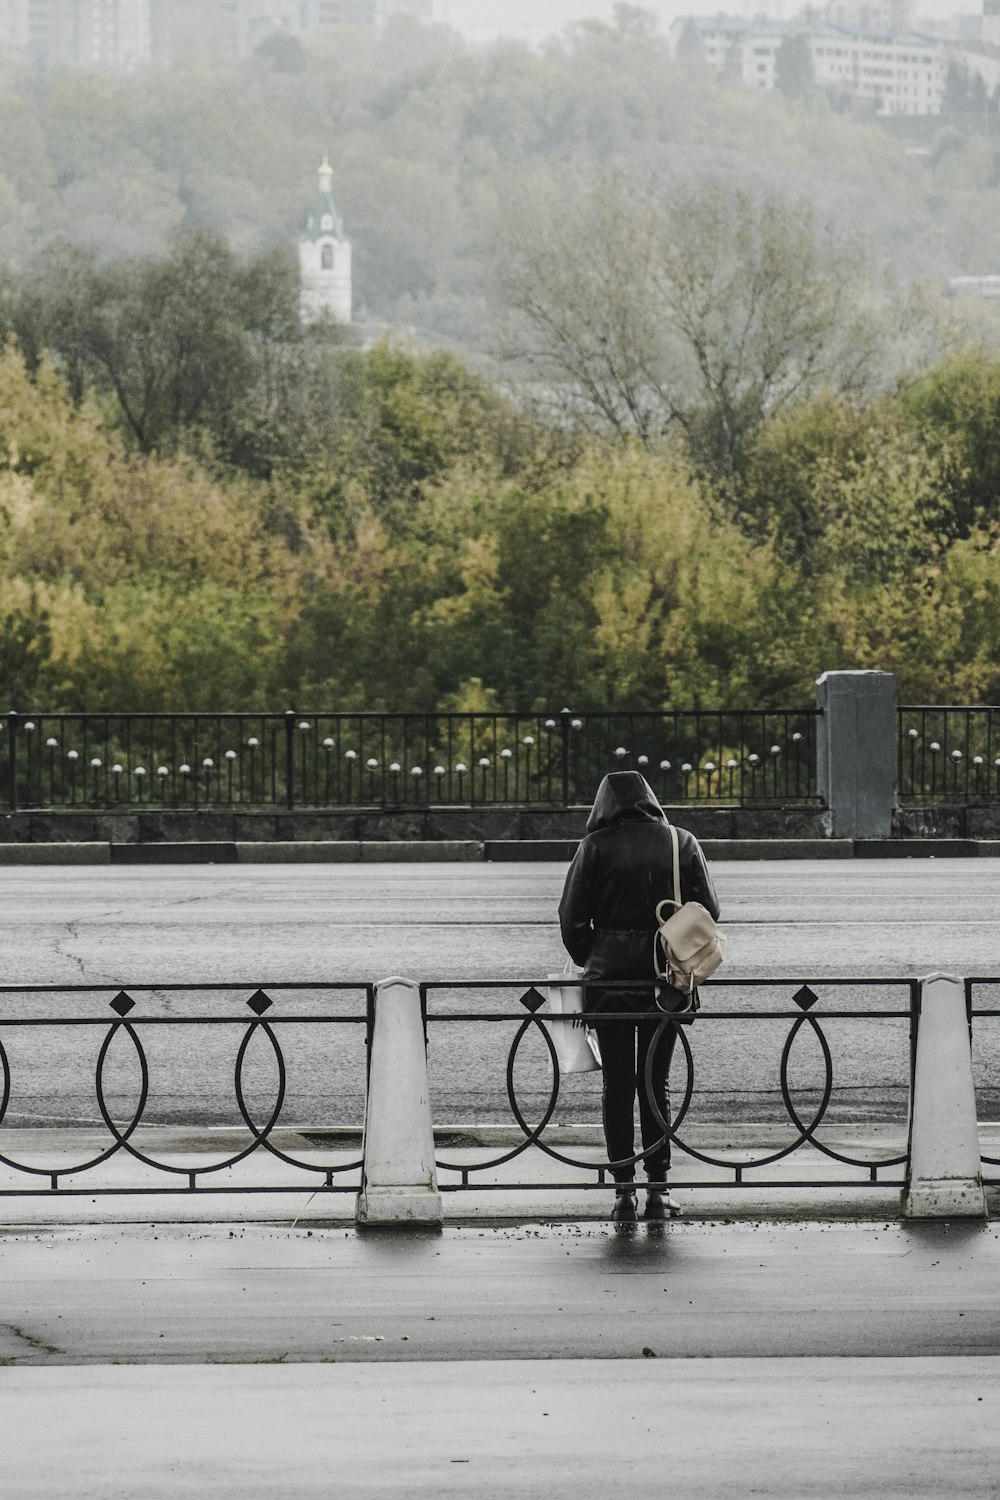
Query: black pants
{"type": "Point", "coordinates": [625, 1046]}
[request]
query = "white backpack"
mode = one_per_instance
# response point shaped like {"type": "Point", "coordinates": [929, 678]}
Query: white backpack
{"type": "Point", "coordinates": [691, 943]}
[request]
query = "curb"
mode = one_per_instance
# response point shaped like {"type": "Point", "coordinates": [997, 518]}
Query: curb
{"type": "Point", "coordinates": [466, 851]}
{"type": "Point", "coordinates": [55, 854]}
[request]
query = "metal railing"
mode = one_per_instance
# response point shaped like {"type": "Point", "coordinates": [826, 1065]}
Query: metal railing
{"type": "Point", "coordinates": [302, 760]}
{"type": "Point", "coordinates": [949, 754]}
{"type": "Point", "coordinates": [982, 1003]}
{"type": "Point", "coordinates": [820, 1071]}
{"type": "Point", "coordinates": [537, 1095]}
{"type": "Point", "coordinates": [81, 1073]}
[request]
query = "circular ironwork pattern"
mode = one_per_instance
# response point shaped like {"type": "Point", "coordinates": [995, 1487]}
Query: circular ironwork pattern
{"type": "Point", "coordinates": [533, 1136]}
{"type": "Point", "coordinates": [122, 1136]}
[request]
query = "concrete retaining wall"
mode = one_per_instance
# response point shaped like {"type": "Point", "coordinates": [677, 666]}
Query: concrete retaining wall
{"type": "Point", "coordinates": [729, 825]}
{"type": "Point", "coordinates": [478, 825]}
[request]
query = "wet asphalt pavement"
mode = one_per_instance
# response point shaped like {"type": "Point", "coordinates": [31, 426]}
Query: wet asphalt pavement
{"type": "Point", "coordinates": [681, 1291]}
{"type": "Point", "coordinates": [262, 925]}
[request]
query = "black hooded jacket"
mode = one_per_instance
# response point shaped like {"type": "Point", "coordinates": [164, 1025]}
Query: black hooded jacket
{"type": "Point", "coordinates": [622, 869]}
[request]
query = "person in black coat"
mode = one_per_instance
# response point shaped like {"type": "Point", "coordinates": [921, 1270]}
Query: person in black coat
{"type": "Point", "coordinates": [621, 870]}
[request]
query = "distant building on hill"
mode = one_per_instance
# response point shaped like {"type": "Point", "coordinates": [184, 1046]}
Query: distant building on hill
{"type": "Point", "coordinates": [120, 34]}
{"type": "Point", "coordinates": [14, 31]}
{"type": "Point", "coordinates": [892, 73]}
{"type": "Point", "coordinates": [325, 259]}
{"type": "Point", "coordinates": [112, 34]}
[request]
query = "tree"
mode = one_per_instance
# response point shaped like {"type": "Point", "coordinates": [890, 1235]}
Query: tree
{"type": "Point", "coordinates": [283, 51]}
{"type": "Point", "coordinates": [965, 92]}
{"type": "Point", "coordinates": [955, 408]}
{"type": "Point", "coordinates": [704, 308]}
{"type": "Point", "coordinates": [177, 342]}
{"type": "Point", "coordinates": [793, 66]}
{"type": "Point", "coordinates": [25, 645]}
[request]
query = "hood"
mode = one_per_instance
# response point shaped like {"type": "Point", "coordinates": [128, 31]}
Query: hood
{"type": "Point", "coordinates": [624, 796]}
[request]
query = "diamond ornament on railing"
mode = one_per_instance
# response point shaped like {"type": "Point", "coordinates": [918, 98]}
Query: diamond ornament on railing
{"type": "Point", "coordinates": [122, 1003]}
{"type": "Point", "coordinates": [532, 999]}
{"type": "Point", "coordinates": [805, 998]}
{"type": "Point", "coordinates": [259, 1003]}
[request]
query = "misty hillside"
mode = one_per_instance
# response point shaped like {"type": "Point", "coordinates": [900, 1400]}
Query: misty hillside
{"type": "Point", "coordinates": [434, 146]}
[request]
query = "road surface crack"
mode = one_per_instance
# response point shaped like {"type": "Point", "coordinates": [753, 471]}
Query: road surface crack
{"type": "Point", "coordinates": [71, 935]}
{"type": "Point", "coordinates": [32, 1344]}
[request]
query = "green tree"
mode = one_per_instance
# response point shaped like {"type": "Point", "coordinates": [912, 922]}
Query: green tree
{"type": "Point", "coordinates": [847, 489]}
{"type": "Point", "coordinates": [965, 92]}
{"type": "Point", "coordinates": [25, 650]}
{"type": "Point", "coordinates": [725, 309]}
{"type": "Point", "coordinates": [283, 51]}
{"type": "Point", "coordinates": [176, 343]}
{"type": "Point", "coordinates": [956, 410]}
{"type": "Point", "coordinates": [793, 66]}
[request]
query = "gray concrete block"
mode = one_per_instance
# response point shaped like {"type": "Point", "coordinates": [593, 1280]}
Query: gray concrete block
{"type": "Point", "coordinates": [15, 828]}
{"type": "Point", "coordinates": [312, 827]}
{"type": "Point", "coordinates": [413, 850]}
{"type": "Point", "coordinates": [982, 822]}
{"type": "Point", "coordinates": [301, 851]}
{"type": "Point", "coordinates": [64, 828]}
{"type": "Point", "coordinates": [187, 826]}
{"type": "Point", "coordinates": [253, 828]}
{"type": "Point", "coordinates": [404, 824]}
{"type": "Point", "coordinates": [476, 823]}
{"type": "Point", "coordinates": [915, 848]}
{"type": "Point", "coordinates": [197, 852]}
{"type": "Point", "coordinates": [942, 821]}
{"type": "Point", "coordinates": [118, 828]}
{"type": "Point", "coordinates": [569, 823]}
{"type": "Point", "coordinates": [707, 822]}
{"type": "Point", "coordinates": [55, 854]}
{"type": "Point", "coordinates": [743, 849]}
{"type": "Point", "coordinates": [530, 849]}
{"type": "Point", "coordinates": [856, 752]}
{"type": "Point", "coordinates": [776, 822]}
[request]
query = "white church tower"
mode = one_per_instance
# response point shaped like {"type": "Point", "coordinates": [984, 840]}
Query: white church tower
{"type": "Point", "coordinates": [325, 259]}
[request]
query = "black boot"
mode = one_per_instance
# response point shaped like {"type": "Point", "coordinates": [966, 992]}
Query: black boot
{"type": "Point", "coordinates": [626, 1209]}
{"type": "Point", "coordinates": [660, 1205]}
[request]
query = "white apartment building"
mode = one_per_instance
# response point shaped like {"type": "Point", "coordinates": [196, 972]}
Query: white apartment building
{"type": "Point", "coordinates": [99, 33]}
{"type": "Point", "coordinates": [982, 58]}
{"type": "Point", "coordinates": [738, 49]}
{"type": "Point", "coordinates": [119, 34]}
{"type": "Point", "coordinates": [417, 10]}
{"type": "Point", "coordinates": [905, 74]}
{"type": "Point", "coordinates": [901, 75]}
{"type": "Point", "coordinates": [14, 29]}
{"type": "Point", "coordinates": [114, 34]}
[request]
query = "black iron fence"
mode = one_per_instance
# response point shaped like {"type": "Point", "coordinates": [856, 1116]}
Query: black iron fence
{"type": "Point", "coordinates": [820, 1068]}
{"type": "Point", "coordinates": [382, 761]}
{"type": "Point", "coordinates": [949, 754]}
{"type": "Point", "coordinates": [91, 1076]}
{"type": "Point", "coordinates": [776, 1083]}
{"type": "Point", "coordinates": [982, 1001]}
{"type": "Point", "coordinates": [301, 760]}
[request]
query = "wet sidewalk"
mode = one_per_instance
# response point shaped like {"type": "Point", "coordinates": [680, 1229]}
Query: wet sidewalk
{"type": "Point", "coordinates": [699, 1359]}
{"type": "Point", "coordinates": [191, 1294]}
{"type": "Point", "coordinates": [871, 1429]}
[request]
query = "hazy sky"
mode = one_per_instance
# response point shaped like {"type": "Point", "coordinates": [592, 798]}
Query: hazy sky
{"type": "Point", "coordinates": [536, 19]}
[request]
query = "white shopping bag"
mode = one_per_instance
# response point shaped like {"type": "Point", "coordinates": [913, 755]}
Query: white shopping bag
{"type": "Point", "coordinates": [575, 1044]}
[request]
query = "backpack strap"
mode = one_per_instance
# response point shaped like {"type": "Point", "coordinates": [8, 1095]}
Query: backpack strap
{"type": "Point", "coordinates": [676, 903]}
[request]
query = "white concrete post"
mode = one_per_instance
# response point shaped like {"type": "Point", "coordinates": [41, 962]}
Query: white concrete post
{"type": "Point", "coordinates": [399, 1175]}
{"type": "Point", "coordinates": [945, 1164]}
